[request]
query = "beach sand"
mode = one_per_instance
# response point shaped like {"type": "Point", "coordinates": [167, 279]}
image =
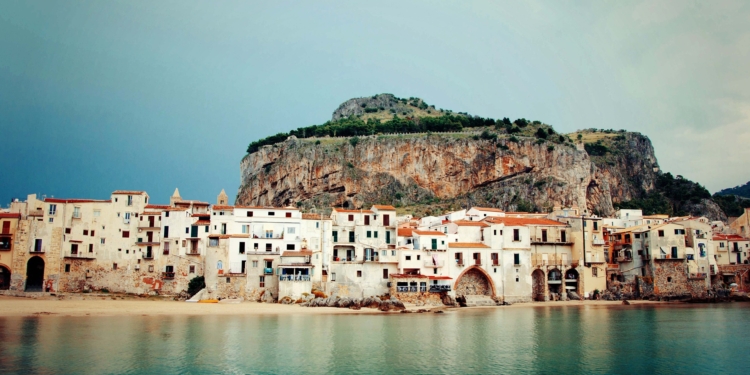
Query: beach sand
{"type": "Point", "coordinates": [113, 306]}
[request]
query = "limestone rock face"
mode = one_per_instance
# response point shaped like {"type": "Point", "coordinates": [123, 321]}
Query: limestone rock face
{"type": "Point", "coordinates": [407, 169]}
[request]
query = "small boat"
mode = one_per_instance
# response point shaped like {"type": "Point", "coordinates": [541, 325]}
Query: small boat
{"type": "Point", "coordinates": [209, 301]}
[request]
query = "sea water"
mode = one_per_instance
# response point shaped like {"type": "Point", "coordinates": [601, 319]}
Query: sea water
{"type": "Point", "coordinates": [637, 339]}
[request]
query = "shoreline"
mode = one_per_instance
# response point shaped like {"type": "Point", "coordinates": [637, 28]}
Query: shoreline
{"type": "Point", "coordinates": [104, 306]}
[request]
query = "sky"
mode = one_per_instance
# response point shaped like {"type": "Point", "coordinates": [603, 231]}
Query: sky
{"type": "Point", "coordinates": [97, 96]}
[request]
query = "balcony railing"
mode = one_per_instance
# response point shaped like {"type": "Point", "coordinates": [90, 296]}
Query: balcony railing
{"type": "Point", "coordinates": [439, 288]}
{"type": "Point", "coordinates": [268, 271]}
{"type": "Point", "coordinates": [80, 255]}
{"type": "Point", "coordinates": [345, 259]}
{"type": "Point", "coordinates": [193, 252]}
{"type": "Point", "coordinates": [372, 259]}
{"type": "Point", "coordinates": [36, 251]}
{"type": "Point", "coordinates": [294, 278]}
{"type": "Point", "coordinates": [697, 276]}
{"type": "Point", "coordinates": [167, 275]}
{"type": "Point", "coordinates": [430, 263]}
{"type": "Point", "coordinates": [598, 242]}
{"type": "Point", "coordinates": [148, 256]}
{"type": "Point", "coordinates": [411, 289]}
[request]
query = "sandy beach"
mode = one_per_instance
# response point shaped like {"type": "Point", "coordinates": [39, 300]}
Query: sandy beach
{"type": "Point", "coordinates": [109, 306]}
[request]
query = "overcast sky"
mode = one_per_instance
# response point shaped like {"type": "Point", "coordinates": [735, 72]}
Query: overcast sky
{"type": "Point", "coordinates": [104, 95]}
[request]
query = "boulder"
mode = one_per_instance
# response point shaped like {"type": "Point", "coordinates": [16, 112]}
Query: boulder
{"type": "Point", "coordinates": [574, 296]}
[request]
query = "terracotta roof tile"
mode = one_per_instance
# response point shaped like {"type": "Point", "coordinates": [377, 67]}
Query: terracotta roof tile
{"type": "Point", "coordinates": [428, 233]}
{"type": "Point", "coordinates": [128, 192]}
{"type": "Point", "coordinates": [467, 245]}
{"type": "Point", "coordinates": [469, 223]}
{"type": "Point", "coordinates": [405, 232]}
{"type": "Point", "coordinates": [58, 200]}
{"type": "Point", "coordinates": [522, 221]}
{"type": "Point", "coordinates": [150, 213]}
{"type": "Point", "coordinates": [10, 215]}
{"type": "Point", "coordinates": [352, 211]}
{"type": "Point", "coordinates": [729, 237]}
{"type": "Point", "coordinates": [202, 222]}
{"type": "Point", "coordinates": [384, 207]}
{"type": "Point", "coordinates": [157, 206]}
{"type": "Point", "coordinates": [220, 208]}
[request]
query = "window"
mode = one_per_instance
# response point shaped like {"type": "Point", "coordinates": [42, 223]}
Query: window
{"type": "Point", "coordinates": [721, 244]}
{"type": "Point", "coordinates": [262, 282]}
{"type": "Point", "coordinates": [408, 257]}
{"type": "Point", "coordinates": [359, 273]}
{"type": "Point", "coordinates": [271, 213]}
{"type": "Point", "coordinates": [375, 234]}
{"type": "Point", "coordinates": [369, 233]}
{"type": "Point", "coordinates": [387, 237]}
{"type": "Point", "coordinates": [563, 236]}
{"type": "Point", "coordinates": [114, 266]}
{"type": "Point", "coordinates": [85, 232]}
{"type": "Point", "coordinates": [333, 276]}
{"type": "Point", "coordinates": [674, 251]}
{"type": "Point", "coordinates": [393, 253]}
{"type": "Point", "coordinates": [67, 268]}
{"type": "Point", "coordinates": [637, 235]}
{"type": "Point", "coordinates": [255, 264]}
{"type": "Point", "coordinates": [245, 229]}
{"type": "Point", "coordinates": [249, 213]}
{"type": "Point", "coordinates": [130, 200]}
{"type": "Point", "coordinates": [125, 234]}
{"type": "Point", "coordinates": [206, 229]}
{"type": "Point", "coordinates": [67, 230]}
{"type": "Point", "coordinates": [288, 214]}
{"type": "Point", "coordinates": [385, 273]}
{"type": "Point", "coordinates": [494, 232]}
{"type": "Point", "coordinates": [594, 272]}
{"type": "Point", "coordinates": [317, 225]}
{"type": "Point", "coordinates": [516, 259]}
{"type": "Point", "coordinates": [91, 248]}
{"type": "Point", "coordinates": [290, 246]}
{"type": "Point", "coordinates": [73, 249]}
{"type": "Point", "coordinates": [51, 220]}
{"type": "Point", "coordinates": [223, 228]}
{"type": "Point", "coordinates": [335, 236]}
{"type": "Point", "coordinates": [76, 212]}
{"type": "Point", "coordinates": [92, 233]}
{"type": "Point", "coordinates": [269, 247]}
{"type": "Point", "coordinates": [690, 257]}
{"type": "Point", "coordinates": [516, 235]}
{"type": "Point", "coordinates": [242, 247]}
{"type": "Point", "coordinates": [351, 236]}
{"type": "Point", "coordinates": [52, 210]}
{"type": "Point", "coordinates": [460, 259]}
{"type": "Point", "coordinates": [291, 230]}
{"type": "Point", "coordinates": [351, 217]}
{"type": "Point", "coordinates": [38, 245]}
{"type": "Point", "coordinates": [596, 225]}
{"type": "Point", "coordinates": [661, 233]}
{"type": "Point", "coordinates": [97, 213]}
{"type": "Point", "coordinates": [419, 257]}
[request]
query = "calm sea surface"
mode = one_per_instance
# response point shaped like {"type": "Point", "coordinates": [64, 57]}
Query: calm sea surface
{"type": "Point", "coordinates": [696, 339]}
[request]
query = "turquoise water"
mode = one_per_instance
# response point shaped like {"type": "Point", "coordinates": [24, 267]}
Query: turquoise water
{"type": "Point", "coordinates": [561, 340]}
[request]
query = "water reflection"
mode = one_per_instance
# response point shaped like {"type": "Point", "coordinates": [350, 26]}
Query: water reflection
{"type": "Point", "coordinates": [635, 339]}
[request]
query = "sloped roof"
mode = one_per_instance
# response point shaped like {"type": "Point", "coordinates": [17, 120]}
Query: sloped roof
{"type": "Point", "coordinates": [428, 233]}
{"type": "Point", "coordinates": [523, 221]}
{"type": "Point", "coordinates": [405, 232]}
{"type": "Point", "coordinates": [467, 245]}
{"type": "Point", "coordinates": [384, 207]}
{"type": "Point", "coordinates": [469, 223]}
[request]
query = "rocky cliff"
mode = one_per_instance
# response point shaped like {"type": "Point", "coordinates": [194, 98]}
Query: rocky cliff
{"type": "Point", "coordinates": [419, 168]}
{"type": "Point", "coordinates": [516, 166]}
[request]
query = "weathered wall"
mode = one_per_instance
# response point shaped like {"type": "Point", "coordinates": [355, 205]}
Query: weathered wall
{"type": "Point", "coordinates": [671, 279]}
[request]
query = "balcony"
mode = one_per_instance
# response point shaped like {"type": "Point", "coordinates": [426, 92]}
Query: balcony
{"type": "Point", "coordinates": [372, 259]}
{"type": "Point", "coordinates": [256, 252]}
{"type": "Point", "coordinates": [597, 242]}
{"type": "Point", "coordinates": [192, 252]}
{"type": "Point", "coordinates": [268, 271]}
{"type": "Point", "coordinates": [548, 241]}
{"type": "Point", "coordinates": [36, 251]}
{"type": "Point", "coordinates": [697, 276]}
{"type": "Point", "coordinates": [411, 289]}
{"type": "Point", "coordinates": [668, 257]}
{"type": "Point", "coordinates": [167, 275]}
{"type": "Point", "coordinates": [148, 256]}
{"type": "Point", "coordinates": [345, 259]}
{"type": "Point", "coordinates": [624, 259]}
{"type": "Point", "coordinates": [80, 255]}
{"type": "Point", "coordinates": [429, 263]}
{"type": "Point", "coordinates": [439, 288]}
{"type": "Point", "coordinates": [294, 278]}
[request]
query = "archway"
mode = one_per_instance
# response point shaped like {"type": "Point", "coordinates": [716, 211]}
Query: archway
{"type": "Point", "coordinates": [35, 274]}
{"type": "Point", "coordinates": [538, 286]}
{"type": "Point", "coordinates": [4, 278]}
{"type": "Point", "coordinates": [554, 281]}
{"type": "Point", "coordinates": [474, 281]}
{"type": "Point", "coordinates": [572, 281]}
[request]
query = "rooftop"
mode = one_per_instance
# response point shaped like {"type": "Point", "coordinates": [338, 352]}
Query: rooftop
{"type": "Point", "coordinates": [467, 245]}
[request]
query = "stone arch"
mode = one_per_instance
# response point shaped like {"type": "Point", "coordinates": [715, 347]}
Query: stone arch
{"type": "Point", "coordinates": [572, 278]}
{"type": "Point", "coordinates": [474, 281]}
{"type": "Point", "coordinates": [538, 285]}
{"type": "Point", "coordinates": [35, 274]}
{"type": "Point", "coordinates": [555, 282]}
{"type": "Point", "coordinates": [4, 277]}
